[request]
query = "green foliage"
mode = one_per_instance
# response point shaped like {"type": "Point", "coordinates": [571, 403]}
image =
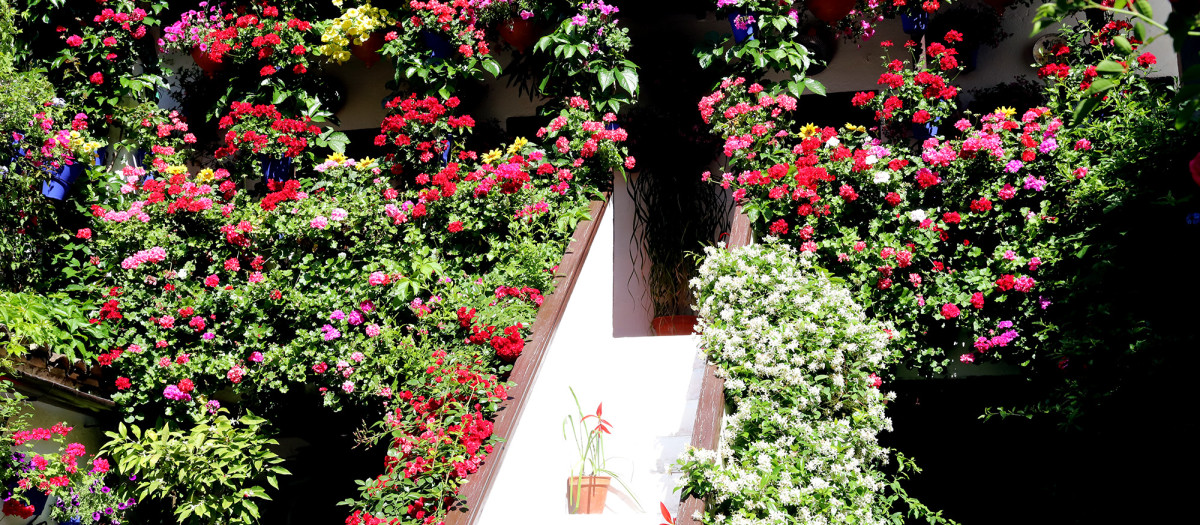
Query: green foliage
{"type": "Point", "coordinates": [210, 473]}
{"type": "Point", "coordinates": [776, 46]}
{"type": "Point", "coordinates": [53, 321]}
{"type": "Point", "coordinates": [589, 57]}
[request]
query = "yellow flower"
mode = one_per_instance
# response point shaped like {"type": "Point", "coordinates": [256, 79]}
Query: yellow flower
{"type": "Point", "coordinates": [366, 163]}
{"type": "Point", "coordinates": [205, 174]}
{"type": "Point", "coordinates": [517, 145]}
{"type": "Point", "coordinates": [176, 170]}
{"type": "Point", "coordinates": [337, 158]}
{"type": "Point", "coordinates": [809, 130]}
{"type": "Point", "coordinates": [1006, 111]}
{"type": "Point", "coordinates": [852, 127]}
{"type": "Point", "coordinates": [492, 156]}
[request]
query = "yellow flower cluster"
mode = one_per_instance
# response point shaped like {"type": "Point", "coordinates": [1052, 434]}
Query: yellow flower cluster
{"type": "Point", "coordinates": [352, 28]}
{"type": "Point", "coordinates": [84, 148]}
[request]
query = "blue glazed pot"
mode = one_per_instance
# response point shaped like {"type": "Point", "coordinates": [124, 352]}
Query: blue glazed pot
{"type": "Point", "coordinates": [436, 44]}
{"type": "Point", "coordinates": [925, 131]}
{"type": "Point", "coordinates": [61, 180]}
{"type": "Point", "coordinates": [740, 35]}
{"type": "Point", "coordinates": [914, 22]}
{"type": "Point", "coordinates": [276, 169]}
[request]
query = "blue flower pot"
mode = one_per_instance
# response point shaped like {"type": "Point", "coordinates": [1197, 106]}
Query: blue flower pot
{"type": "Point", "coordinates": [278, 169]}
{"type": "Point", "coordinates": [740, 35]}
{"type": "Point", "coordinates": [61, 180]}
{"type": "Point", "coordinates": [437, 45]}
{"type": "Point", "coordinates": [914, 22]}
{"type": "Point", "coordinates": [925, 131]}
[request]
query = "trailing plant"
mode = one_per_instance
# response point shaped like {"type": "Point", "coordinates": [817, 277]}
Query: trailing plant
{"type": "Point", "coordinates": [55, 322]}
{"type": "Point", "coordinates": [435, 45]}
{"type": "Point", "coordinates": [775, 47]}
{"type": "Point", "coordinates": [964, 243]}
{"type": "Point", "coordinates": [799, 358]}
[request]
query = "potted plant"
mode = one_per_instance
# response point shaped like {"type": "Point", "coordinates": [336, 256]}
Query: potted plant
{"type": "Point", "coordinates": [980, 26]}
{"type": "Point", "coordinates": [261, 129]}
{"type": "Point", "coordinates": [586, 489]}
{"type": "Point", "coordinates": [666, 188]}
{"type": "Point", "coordinates": [588, 56]}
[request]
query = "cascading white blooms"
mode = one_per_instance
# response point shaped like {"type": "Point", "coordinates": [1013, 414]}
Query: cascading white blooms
{"type": "Point", "coordinates": [799, 357]}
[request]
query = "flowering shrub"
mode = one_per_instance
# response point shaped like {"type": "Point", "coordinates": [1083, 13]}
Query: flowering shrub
{"type": "Point", "coordinates": [355, 27]}
{"type": "Point", "coordinates": [434, 44]}
{"type": "Point", "coordinates": [438, 433]}
{"type": "Point", "coordinates": [103, 47]}
{"type": "Point", "coordinates": [589, 51]}
{"type": "Point", "coordinates": [262, 34]}
{"type": "Point", "coordinates": [911, 96]}
{"type": "Point", "coordinates": [193, 28]}
{"type": "Point", "coordinates": [956, 241]}
{"type": "Point", "coordinates": [799, 359]}
{"type": "Point", "coordinates": [77, 479]}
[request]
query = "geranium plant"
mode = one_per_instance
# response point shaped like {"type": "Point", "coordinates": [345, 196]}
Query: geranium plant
{"type": "Point", "coordinates": [79, 481]}
{"type": "Point", "coordinates": [262, 129]}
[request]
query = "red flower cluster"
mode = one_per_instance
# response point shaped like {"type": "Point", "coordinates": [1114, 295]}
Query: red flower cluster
{"type": "Point", "coordinates": [264, 123]}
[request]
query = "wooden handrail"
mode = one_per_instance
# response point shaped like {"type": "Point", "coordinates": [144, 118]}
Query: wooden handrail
{"type": "Point", "coordinates": [524, 372]}
{"type": "Point", "coordinates": [706, 432]}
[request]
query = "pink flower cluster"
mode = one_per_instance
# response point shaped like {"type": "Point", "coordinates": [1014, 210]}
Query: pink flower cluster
{"type": "Point", "coordinates": [156, 254]}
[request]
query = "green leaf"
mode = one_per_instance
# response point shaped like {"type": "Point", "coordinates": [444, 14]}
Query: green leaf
{"type": "Point", "coordinates": [606, 78]}
{"type": "Point", "coordinates": [1123, 44]}
{"type": "Point", "coordinates": [1110, 67]}
{"type": "Point", "coordinates": [1100, 85]}
{"type": "Point", "coordinates": [815, 85]}
{"type": "Point", "coordinates": [628, 79]}
{"type": "Point", "coordinates": [1139, 31]}
{"type": "Point", "coordinates": [492, 67]}
{"type": "Point", "coordinates": [1143, 7]}
{"type": "Point", "coordinates": [1084, 109]}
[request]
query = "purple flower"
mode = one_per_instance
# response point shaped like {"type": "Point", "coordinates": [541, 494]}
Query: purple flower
{"type": "Point", "coordinates": [330, 333]}
{"type": "Point", "coordinates": [578, 20]}
{"type": "Point", "coordinates": [208, 336]}
{"type": "Point", "coordinates": [355, 318]}
{"type": "Point", "coordinates": [1013, 166]}
{"type": "Point", "coordinates": [1048, 145]}
{"type": "Point", "coordinates": [337, 315]}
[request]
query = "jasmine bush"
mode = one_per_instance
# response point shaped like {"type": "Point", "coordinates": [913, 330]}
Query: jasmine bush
{"type": "Point", "coordinates": [799, 358]}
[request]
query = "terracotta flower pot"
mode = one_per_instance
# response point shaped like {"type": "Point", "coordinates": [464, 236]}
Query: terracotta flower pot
{"type": "Point", "coordinates": [208, 65]}
{"type": "Point", "coordinates": [368, 51]}
{"type": "Point", "coordinates": [830, 11]}
{"type": "Point", "coordinates": [591, 492]}
{"type": "Point", "coordinates": [521, 34]}
{"type": "Point", "coordinates": [673, 324]}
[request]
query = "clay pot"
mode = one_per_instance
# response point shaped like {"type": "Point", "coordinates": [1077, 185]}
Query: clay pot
{"type": "Point", "coordinates": [208, 65]}
{"type": "Point", "coordinates": [519, 33]}
{"type": "Point", "coordinates": [673, 324]}
{"type": "Point", "coordinates": [591, 492]}
{"type": "Point", "coordinates": [830, 11]}
{"type": "Point", "coordinates": [368, 51]}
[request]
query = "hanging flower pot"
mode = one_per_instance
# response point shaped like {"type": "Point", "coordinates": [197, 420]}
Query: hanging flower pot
{"type": "Point", "coordinates": [743, 27]}
{"type": "Point", "coordinates": [368, 51]}
{"type": "Point", "coordinates": [209, 66]}
{"type": "Point", "coordinates": [928, 130]}
{"type": "Point", "coordinates": [673, 324]}
{"type": "Point", "coordinates": [438, 46]}
{"type": "Point", "coordinates": [586, 494]}
{"type": "Point", "coordinates": [518, 33]}
{"type": "Point", "coordinates": [914, 21]}
{"type": "Point", "coordinates": [830, 11]}
{"type": "Point", "coordinates": [276, 169]}
{"type": "Point", "coordinates": [61, 179]}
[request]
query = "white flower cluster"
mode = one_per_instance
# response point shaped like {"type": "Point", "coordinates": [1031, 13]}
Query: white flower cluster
{"type": "Point", "coordinates": [797, 354]}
